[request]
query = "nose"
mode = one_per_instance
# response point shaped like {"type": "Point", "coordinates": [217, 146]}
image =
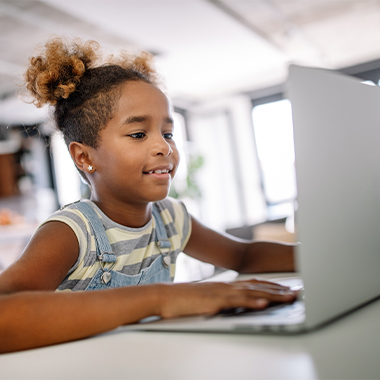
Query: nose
{"type": "Point", "coordinates": [162, 148]}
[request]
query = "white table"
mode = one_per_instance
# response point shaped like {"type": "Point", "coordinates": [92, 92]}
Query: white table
{"type": "Point", "coordinates": [346, 349]}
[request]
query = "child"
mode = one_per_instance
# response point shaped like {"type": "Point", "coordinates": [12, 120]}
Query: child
{"type": "Point", "coordinates": [118, 127]}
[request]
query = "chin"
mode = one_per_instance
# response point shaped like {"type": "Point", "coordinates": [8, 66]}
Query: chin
{"type": "Point", "coordinates": [160, 197]}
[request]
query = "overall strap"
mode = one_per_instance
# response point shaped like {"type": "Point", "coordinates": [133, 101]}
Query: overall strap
{"type": "Point", "coordinates": [103, 245]}
{"type": "Point", "coordinates": [161, 236]}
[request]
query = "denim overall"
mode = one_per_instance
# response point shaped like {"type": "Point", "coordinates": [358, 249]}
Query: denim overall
{"type": "Point", "coordinates": [105, 278]}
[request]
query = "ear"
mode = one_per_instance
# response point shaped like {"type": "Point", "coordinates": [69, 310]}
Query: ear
{"type": "Point", "coordinates": [80, 155]}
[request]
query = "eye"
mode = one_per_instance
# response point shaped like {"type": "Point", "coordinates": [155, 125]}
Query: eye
{"type": "Point", "coordinates": [168, 136]}
{"type": "Point", "coordinates": [138, 135]}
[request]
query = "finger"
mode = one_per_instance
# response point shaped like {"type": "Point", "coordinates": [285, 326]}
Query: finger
{"type": "Point", "coordinates": [272, 295]}
{"type": "Point", "coordinates": [248, 304]}
{"type": "Point", "coordinates": [268, 284]}
{"type": "Point", "coordinates": [252, 298]}
{"type": "Point", "coordinates": [264, 288]}
{"type": "Point", "coordinates": [245, 299]}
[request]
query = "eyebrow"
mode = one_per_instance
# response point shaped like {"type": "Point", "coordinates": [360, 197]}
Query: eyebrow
{"type": "Point", "coordinates": [142, 118]}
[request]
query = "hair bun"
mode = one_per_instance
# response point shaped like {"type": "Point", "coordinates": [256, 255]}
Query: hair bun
{"type": "Point", "coordinates": [143, 62]}
{"type": "Point", "coordinates": [56, 72]}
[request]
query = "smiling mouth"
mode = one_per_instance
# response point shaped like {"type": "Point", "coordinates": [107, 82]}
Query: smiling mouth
{"type": "Point", "coordinates": [160, 172]}
{"type": "Point", "coordinates": [164, 171]}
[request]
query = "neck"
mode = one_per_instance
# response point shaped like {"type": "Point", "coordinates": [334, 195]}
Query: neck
{"type": "Point", "coordinates": [131, 215]}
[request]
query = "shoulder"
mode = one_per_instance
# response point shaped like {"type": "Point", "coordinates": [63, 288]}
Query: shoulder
{"type": "Point", "coordinates": [69, 212]}
{"type": "Point", "coordinates": [71, 216]}
{"type": "Point", "coordinates": [78, 223]}
{"type": "Point", "coordinates": [173, 208]}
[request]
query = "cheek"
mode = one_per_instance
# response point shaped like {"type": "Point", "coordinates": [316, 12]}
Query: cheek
{"type": "Point", "coordinates": [176, 155]}
{"type": "Point", "coordinates": [113, 160]}
{"type": "Point", "coordinates": [176, 159]}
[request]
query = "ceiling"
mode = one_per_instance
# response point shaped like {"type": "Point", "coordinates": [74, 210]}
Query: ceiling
{"type": "Point", "coordinates": [204, 48]}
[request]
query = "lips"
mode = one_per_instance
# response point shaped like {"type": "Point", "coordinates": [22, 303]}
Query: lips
{"type": "Point", "coordinates": [159, 170]}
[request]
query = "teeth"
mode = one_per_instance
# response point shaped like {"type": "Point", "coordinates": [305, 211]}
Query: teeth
{"type": "Point", "coordinates": [158, 171]}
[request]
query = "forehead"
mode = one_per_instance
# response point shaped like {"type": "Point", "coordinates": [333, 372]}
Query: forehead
{"type": "Point", "coordinates": [139, 96]}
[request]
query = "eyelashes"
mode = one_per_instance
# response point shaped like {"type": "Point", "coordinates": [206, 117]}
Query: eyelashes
{"type": "Point", "coordinates": [141, 135]}
{"type": "Point", "coordinates": [138, 136]}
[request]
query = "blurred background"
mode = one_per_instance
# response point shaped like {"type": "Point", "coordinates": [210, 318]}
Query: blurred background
{"type": "Point", "coordinates": [225, 65]}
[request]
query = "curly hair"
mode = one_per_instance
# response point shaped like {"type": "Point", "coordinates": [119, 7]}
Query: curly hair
{"type": "Point", "coordinates": [83, 91]}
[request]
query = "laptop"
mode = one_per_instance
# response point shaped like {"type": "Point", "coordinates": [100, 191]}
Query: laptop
{"type": "Point", "coordinates": [336, 122]}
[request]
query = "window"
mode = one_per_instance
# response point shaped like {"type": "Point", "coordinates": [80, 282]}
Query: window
{"type": "Point", "coordinates": [273, 129]}
{"type": "Point", "coordinates": [67, 178]}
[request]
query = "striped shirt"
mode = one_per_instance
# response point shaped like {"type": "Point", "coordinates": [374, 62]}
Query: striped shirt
{"type": "Point", "coordinates": [135, 248]}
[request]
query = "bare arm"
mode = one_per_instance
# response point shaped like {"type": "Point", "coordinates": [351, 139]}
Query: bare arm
{"type": "Point", "coordinates": [45, 318]}
{"type": "Point", "coordinates": [243, 256]}
{"type": "Point", "coordinates": [35, 319]}
{"type": "Point", "coordinates": [45, 261]}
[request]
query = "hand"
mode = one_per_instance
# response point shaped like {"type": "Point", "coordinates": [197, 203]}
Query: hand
{"type": "Point", "coordinates": [178, 300]}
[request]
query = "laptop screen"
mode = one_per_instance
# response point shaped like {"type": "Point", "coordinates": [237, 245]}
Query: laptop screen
{"type": "Point", "coordinates": [336, 122]}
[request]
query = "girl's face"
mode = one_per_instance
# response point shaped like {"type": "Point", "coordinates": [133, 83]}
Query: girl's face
{"type": "Point", "coordinates": [137, 157]}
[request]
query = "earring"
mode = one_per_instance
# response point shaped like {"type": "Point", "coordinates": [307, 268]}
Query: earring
{"type": "Point", "coordinates": [90, 168]}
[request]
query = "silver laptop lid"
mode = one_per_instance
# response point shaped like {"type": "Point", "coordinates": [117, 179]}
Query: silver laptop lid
{"type": "Point", "coordinates": [337, 141]}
